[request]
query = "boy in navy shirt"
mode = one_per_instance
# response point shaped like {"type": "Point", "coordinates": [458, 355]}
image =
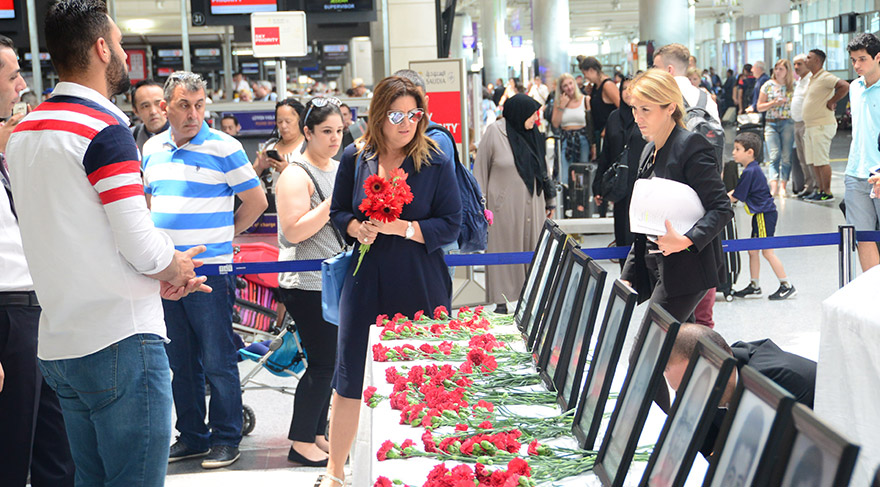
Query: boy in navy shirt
{"type": "Point", "coordinates": [754, 192]}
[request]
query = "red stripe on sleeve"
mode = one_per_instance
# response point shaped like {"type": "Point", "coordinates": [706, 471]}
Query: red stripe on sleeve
{"type": "Point", "coordinates": [58, 125]}
{"type": "Point", "coordinates": [114, 169]}
{"type": "Point", "coordinates": [121, 192]}
{"type": "Point", "coordinates": [78, 108]}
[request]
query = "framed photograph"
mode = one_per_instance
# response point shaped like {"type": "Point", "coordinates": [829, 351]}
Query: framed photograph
{"type": "Point", "coordinates": [758, 420]}
{"type": "Point", "coordinates": [645, 375]}
{"type": "Point", "coordinates": [567, 380]}
{"type": "Point", "coordinates": [818, 456]}
{"type": "Point", "coordinates": [690, 417]}
{"type": "Point", "coordinates": [534, 270]}
{"type": "Point", "coordinates": [543, 286]}
{"type": "Point", "coordinates": [558, 292]}
{"type": "Point", "coordinates": [606, 354]}
{"type": "Point", "coordinates": [560, 324]}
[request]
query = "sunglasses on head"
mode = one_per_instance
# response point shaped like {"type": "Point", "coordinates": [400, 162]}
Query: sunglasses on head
{"type": "Point", "coordinates": [396, 116]}
{"type": "Point", "coordinates": [320, 102]}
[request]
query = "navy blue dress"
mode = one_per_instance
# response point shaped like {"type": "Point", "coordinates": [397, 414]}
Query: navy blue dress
{"type": "Point", "coordinates": [397, 275]}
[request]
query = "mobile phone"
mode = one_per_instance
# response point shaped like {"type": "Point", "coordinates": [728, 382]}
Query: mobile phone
{"type": "Point", "coordinates": [19, 107]}
{"type": "Point", "coordinates": [273, 154]}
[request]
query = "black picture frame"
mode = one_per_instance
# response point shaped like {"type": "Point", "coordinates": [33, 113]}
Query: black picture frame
{"type": "Point", "coordinates": [757, 421]}
{"type": "Point", "coordinates": [543, 286]}
{"type": "Point", "coordinates": [538, 257]}
{"type": "Point", "coordinates": [815, 452]}
{"type": "Point", "coordinates": [690, 417]}
{"type": "Point", "coordinates": [568, 380]}
{"type": "Point", "coordinates": [576, 277]}
{"type": "Point", "coordinates": [606, 354]}
{"type": "Point", "coordinates": [555, 297]}
{"type": "Point", "coordinates": [645, 375]}
{"type": "Point", "coordinates": [876, 482]}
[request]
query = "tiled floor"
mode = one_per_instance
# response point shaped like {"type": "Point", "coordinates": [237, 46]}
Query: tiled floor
{"type": "Point", "coordinates": [793, 324]}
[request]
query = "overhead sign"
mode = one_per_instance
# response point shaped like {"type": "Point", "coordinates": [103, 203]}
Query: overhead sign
{"type": "Point", "coordinates": [446, 89]}
{"type": "Point", "coordinates": [137, 64]}
{"type": "Point", "coordinates": [279, 34]}
{"type": "Point", "coordinates": [220, 7]}
{"type": "Point", "coordinates": [7, 9]}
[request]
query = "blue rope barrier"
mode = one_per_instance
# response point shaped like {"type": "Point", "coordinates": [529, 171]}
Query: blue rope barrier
{"type": "Point", "coordinates": [507, 258]}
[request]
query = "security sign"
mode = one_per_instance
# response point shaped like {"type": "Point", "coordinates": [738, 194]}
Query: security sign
{"type": "Point", "coordinates": [279, 34]}
{"type": "Point", "coordinates": [445, 83]}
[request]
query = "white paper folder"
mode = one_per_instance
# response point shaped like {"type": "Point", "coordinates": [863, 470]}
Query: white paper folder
{"type": "Point", "coordinates": [656, 200]}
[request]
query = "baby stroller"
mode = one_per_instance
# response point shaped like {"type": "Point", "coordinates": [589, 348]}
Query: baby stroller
{"type": "Point", "coordinates": [274, 346]}
{"type": "Point", "coordinates": [754, 123]}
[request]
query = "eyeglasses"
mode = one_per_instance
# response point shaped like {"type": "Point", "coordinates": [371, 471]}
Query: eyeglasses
{"type": "Point", "coordinates": [396, 116]}
{"type": "Point", "coordinates": [320, 102]}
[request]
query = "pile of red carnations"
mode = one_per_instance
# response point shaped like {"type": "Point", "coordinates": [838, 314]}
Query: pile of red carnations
{"type": "Point", "coordinates": [463, 398]}
{"type": "Point", "coordinates": [517, 474]}
{"type": "Point", "coordinates": [466, 324]}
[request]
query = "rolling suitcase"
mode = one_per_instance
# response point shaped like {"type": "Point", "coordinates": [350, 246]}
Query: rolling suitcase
{"type": "Point", "coordinates": [731, 262]}
{"type": "Point", "coordinates": [580, 193]}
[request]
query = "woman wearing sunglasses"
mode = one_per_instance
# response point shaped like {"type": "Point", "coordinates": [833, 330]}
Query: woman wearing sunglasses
{"type": "Point", "coordinates": [404, 270]}
{"type": "Point", "coordinates": [303, 200]}
{"type": "Point", "coordinates": [511, 169]}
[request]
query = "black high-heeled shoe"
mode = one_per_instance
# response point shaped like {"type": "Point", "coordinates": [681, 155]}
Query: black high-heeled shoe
{"type": "Point", "coordinates": [296, 457]}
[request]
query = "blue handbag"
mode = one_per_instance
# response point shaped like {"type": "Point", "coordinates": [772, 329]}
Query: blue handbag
{"type": "Point", "coordinates": [333, 272]}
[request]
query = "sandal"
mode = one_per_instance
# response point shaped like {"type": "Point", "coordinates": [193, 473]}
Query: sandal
{"type": "Point", "coordinates": [321, 478]}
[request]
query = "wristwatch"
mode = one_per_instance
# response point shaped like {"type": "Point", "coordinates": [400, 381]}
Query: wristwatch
{"type": "Point", "coordinates": [410, 231]}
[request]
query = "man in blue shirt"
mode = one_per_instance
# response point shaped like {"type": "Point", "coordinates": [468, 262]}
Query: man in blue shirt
{"type": "Point", "coordinates": [754, 191]}
{"type": "Point", "coordinates": [862, 208]}
{"type": "Point", "coordinates": [192, 174]}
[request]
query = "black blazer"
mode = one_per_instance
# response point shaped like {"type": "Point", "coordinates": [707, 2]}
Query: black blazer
{"type": "Point", "coordinates": [688, 158]}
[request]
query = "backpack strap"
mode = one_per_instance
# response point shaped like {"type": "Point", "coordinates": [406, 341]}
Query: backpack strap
{"type": "Point", "coordinates": [703, 102]}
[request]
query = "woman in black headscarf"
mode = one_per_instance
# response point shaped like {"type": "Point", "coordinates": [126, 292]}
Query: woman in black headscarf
{"type": "Point", "coordinates": [621, 134]}
{"type": "Point", "coordinates": [512, 173]}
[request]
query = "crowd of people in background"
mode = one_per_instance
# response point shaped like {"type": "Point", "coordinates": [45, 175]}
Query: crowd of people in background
{"type": "Point", "coordinates": [121, 198]}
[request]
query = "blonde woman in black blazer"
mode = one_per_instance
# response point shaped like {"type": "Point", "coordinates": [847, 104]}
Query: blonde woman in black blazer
{"type": "Point", "coordinates": [686, 266]}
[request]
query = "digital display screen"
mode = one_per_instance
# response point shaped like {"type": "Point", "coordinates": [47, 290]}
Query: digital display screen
{"type": "Point", "coordinates": [325, 6]}
{"type": "Point", "coordinates": [223, 7]}
{"type": "Point", "coordinates": [7, 9]}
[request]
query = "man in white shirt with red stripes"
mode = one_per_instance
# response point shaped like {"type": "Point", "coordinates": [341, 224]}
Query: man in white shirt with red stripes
{"type": "Point", "coordinates": [98, 263]}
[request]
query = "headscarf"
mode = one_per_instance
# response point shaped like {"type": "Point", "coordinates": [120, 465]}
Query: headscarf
{"type": "Point", "coordinates": [528, 145]}
{"type": "Point", "coordinates": [626, 114]}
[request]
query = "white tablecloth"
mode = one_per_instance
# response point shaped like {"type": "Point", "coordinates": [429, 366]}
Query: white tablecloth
{"type": "Point", "coordinates": [382, 423]}
{"type": "Point", "coordinates": [848, 376]}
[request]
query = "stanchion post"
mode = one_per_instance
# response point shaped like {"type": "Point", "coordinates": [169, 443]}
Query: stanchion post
{"type": "Point", "coordinates": [845, 253]}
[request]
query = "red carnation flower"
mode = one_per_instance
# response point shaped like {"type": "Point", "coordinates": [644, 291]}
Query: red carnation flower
{"type": "Point", "coordinates": [368, 394]}
{"type": "Point", "coordinates": [382, 454]}
{"type": "Point", "coordinates": [382, 482]}
{"type": "Point", "coordinates": [419, 315]}
{"type": "Point", "coordinates": [441, 313]}
{"type": "Point", "coordinates": [519, 466]}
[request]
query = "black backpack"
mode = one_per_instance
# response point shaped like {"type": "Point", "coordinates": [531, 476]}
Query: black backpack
{"type": "Point", "coordinates": [697, 119]}
{"type": "Point", "coordinates": [474, 234]}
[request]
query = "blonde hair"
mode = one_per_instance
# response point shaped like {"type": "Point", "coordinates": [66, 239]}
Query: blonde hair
{"type": "Point", "coordinates": [789, 77]}
{"type": "Point", "coordinates": [659, 87]}
{"type": "Point", "coordinates": [693, 72]}
{"type": "Point", "coordinates": [559, 81]}
{"type": "Point", "coordinates": [386, 93]}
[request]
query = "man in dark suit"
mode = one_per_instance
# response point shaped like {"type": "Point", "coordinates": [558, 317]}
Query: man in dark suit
{"type": "Point", "coordinates": [794, 373]}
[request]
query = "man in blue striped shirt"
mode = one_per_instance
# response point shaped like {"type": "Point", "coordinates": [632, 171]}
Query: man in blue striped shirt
{"type": "Point", "coordinates": [192, 174]}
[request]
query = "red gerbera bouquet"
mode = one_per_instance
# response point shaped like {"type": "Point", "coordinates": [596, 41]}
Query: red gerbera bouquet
{"type": "Point", "coordinates": [384, 201]}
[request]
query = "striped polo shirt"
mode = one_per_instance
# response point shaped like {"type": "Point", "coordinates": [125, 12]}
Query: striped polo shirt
{"type": "Point", "coordinates": [192, 189]}
{"type": "Point", "coordinates": [85, 227]}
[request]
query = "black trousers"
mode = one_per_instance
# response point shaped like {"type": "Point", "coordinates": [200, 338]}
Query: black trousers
{"type": "Point", "coordinates": [312, 400]}
{"type": "Point", "coordinates": [32, 435]}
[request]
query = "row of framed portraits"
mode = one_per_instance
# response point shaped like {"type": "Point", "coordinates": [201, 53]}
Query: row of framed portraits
{"type": "Point", "coordinates": [757, 435]}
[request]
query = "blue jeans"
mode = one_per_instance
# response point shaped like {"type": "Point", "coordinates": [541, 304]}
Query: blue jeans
{"type": "Point", "coordinates": [203, 345]}
{"type": "Point", "coordinates": [117, 411]}
{"type": "Point", "coordinates": [564, 163]}
{"type": "Point", "coordinates": [779, 136]}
